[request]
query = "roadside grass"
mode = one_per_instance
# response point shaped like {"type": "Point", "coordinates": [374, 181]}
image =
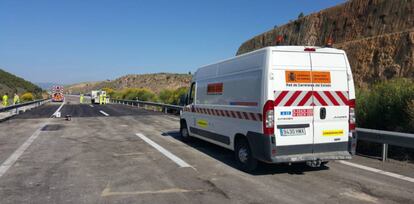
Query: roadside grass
{"type": "Point", "coordinates": [387, 105]}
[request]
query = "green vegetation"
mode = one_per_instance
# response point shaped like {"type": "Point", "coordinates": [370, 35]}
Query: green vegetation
{"type": "Point", "coordinates": [387, 105]}
{"type": "Point", "coordinates": [27, 97]}
{"type": "Point", "coordinates": [11, 84]}
{"type": "Point", "coordinates": [167, 96]}
{"type": "Point", "coordinates": [174, 97]}
{"type": "Point", "coordinates": [110, 92]}
{"type": "Point", "coordinates": [135, 94]}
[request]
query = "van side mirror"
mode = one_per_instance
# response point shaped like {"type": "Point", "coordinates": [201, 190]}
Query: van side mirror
{"type": "Point", "coordinates": [183, 100]}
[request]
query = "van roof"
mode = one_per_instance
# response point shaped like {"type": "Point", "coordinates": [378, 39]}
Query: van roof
{"type": "Point", "coordinates": [302, 48]}
{"type": "Point", "coordinates": [212, 67]}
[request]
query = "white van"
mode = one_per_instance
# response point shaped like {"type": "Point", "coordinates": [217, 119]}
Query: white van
{"type": "Point", "coordinates": [95, 94]}
{"type": "Point", "coordinates": [277, 104]}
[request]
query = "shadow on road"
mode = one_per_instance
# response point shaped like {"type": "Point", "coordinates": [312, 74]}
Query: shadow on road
{"type": "Point", "coordinates": [227, 157]}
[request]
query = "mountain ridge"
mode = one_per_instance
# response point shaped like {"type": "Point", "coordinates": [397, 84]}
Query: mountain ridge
{"type": "Point", "coordinates": [155, 82]}
{"type": "Point", "coordinates": [10, 84]}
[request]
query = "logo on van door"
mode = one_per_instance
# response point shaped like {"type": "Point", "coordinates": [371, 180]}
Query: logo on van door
{"type": "Point", "coordinates": [215, 89]}
{"type": "Point", "coordinates": [302, 112]}
{"type": "Point", "coordinates": [333, 133]}
{"type": "Point", "coordinates": [202, 123]}
{"type": "Point", "coordinates": [285, 113]}
{"type": "Point", "coordinates": [307, 78]}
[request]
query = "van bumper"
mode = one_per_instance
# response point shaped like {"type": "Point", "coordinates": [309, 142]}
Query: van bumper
{"type": "Point", "coordinates": [264, 149]}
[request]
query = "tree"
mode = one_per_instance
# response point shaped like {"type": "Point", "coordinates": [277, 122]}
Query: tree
{"type": "Point", "coordinates": [301, 15]}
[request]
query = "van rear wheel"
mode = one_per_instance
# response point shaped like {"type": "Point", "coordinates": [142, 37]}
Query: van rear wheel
{"type": "Point", "coordinates": [244, 156]}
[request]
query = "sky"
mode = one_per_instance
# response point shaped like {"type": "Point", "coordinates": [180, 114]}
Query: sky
{"type": "Point", "coordinates": [70, 41]}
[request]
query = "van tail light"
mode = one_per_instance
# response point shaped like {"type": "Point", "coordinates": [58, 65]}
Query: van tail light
{"type": "Point", "coordinates": [352, 118]}
{"type": "Point", "coordinates": [269, 118]}
{"type": "Point", "coordinates": [309, 49]}
{"type": "Point", "coordinates": [352, 142]}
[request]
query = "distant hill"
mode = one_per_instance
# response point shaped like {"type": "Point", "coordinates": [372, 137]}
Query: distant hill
{"type": "Point", "coordinates": [11, 84]}
{"type": "Point", "coordinates": [154, 82]}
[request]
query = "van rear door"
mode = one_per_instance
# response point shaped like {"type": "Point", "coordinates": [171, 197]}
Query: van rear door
{"type": "Point", "coordinates": [292, 89]}
{"type": "Point", "coordinates": [330, 98]}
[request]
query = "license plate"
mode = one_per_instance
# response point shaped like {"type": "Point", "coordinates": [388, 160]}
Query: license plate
{"type": "Point", "coordinates": [292, 132]}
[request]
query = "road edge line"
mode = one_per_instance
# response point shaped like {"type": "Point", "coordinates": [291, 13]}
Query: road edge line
{"type": "Point", "coordinates": [166, 153]}
{"type": "Point", "coordinates": [19, 151]}
{"type": "Point", "coordinates": [11, 160]}
{"type": "Point", "coordinates": [387, 173]}
{"type": "Point", "coordinates": [103, 113]}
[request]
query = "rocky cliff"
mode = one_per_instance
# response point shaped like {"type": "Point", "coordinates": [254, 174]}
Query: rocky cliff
{"type": "Point", "coordinates": [378, 36]}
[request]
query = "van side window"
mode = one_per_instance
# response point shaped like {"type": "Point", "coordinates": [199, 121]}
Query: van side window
{"type": "Point", "coordinates": [191, 94]}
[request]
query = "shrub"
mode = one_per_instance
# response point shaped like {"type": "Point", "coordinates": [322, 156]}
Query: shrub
{"type": "Point", "coordinates": [385, 105]}
{"type": "Point", "coordinates": [27, 97]}
{"type": "Point", "coordinates": [410, 112]}
{"type": "Point", "coordinates": [135, 94]}
{"type": "Point", "coordinates": [179, 95]}
{"type": "Point", "coordinates": [109, 92]}
{"type": "Point", "coordinates": [166, 96]}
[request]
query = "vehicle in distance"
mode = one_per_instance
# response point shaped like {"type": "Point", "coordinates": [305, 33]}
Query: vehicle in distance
{"type": "Point", "coordinates": [95, 94]}
{"type": "Point", "coordinates": [57, 94]}
{"type": "Point", "coordinates": [280, 104]}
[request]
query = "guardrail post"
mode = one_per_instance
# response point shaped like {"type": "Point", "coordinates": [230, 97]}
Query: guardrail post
{"type": "Point", "coordinates": [165, 110]}
{"type": "Point", "coordinates": [384, 152]}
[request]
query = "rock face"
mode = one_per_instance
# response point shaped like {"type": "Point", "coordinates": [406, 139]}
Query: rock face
{"type": "Point", "coordinates": [378, 36]}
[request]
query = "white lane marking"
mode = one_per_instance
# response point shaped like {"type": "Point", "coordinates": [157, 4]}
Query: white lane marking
{"type": "Point", "coordinates": [394, 175]}
{"type": "Point", "coordinates": [167, 153]}
{"type": "Point", "coordinates": [91, 106]}
{"type": "Point", "coordinates": [105, 114]}
{"type": "Point", "coordinates": [60, 107]}
{"type": "Point", "coordinates": [171, 117]}
{"type": "Point", "coordinates": [16, 154]}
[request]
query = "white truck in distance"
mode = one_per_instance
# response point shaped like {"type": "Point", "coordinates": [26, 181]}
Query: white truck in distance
{"type": "Point", "coordinates": [95, 96]}
{"type": "Point", "coordinates": [279, 104]}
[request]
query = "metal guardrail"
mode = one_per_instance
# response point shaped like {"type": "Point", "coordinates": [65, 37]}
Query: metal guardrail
{"type": "Point", "coordinates": [12, 107]}
{"type": "Point", "coordinates": [386, 138]}
{"type": "Point", "coordinates": [144, 104]}
{"type": "Point", "coordinates": [377, 136]}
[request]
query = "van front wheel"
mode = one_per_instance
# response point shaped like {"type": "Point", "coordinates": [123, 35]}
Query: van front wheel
{"type": "Point", "coordinates": [244, 156]}
{"type": "Point", "coordinates": [185, 135]}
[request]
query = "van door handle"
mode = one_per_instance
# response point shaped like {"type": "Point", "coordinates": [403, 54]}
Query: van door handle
{"type": "Point", "coordinates": [322, 113]}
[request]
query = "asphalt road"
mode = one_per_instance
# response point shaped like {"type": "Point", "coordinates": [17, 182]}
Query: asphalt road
{"type": "Point", "coordinates": [103, 156]}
